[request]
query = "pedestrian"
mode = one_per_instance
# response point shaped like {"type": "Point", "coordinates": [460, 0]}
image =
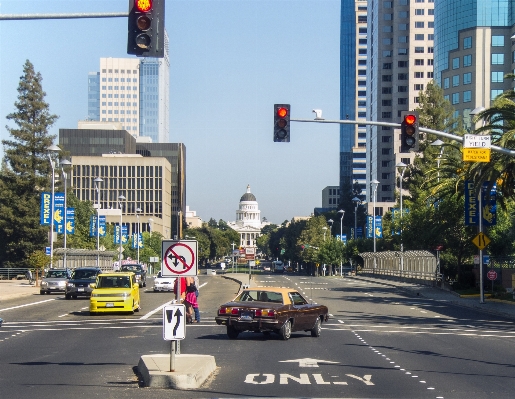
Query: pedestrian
{"type": "Point", "coordinates": [190, 300]}
{"type": "Point", "coordinates": [182, 294]}
{"type": "Point", "coordinates": [196, 309]}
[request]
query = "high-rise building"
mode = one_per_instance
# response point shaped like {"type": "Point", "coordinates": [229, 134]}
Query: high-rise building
{"type": "Point", "coordinates": [134, 92]}
{"type": "Point", "coordinates": [474, 51]}
{"type": "Point", "coordinates": [400, 64]}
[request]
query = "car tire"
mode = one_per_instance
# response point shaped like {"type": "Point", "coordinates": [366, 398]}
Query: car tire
{"type": "Point", "coordinates": [317, 328]}
{"type": "Point", "coordinates": [285, 331]}
{"type": "Point", "coordinates": [93, 313]}
{"type": "Point", "coordinates": [67, 296]}
{"type": "Point", "coordinates": [41, 292]}
{"type": "Point", "coordinates": [74, 296]}
{"type": "Point", "coordinates": [232, 333]}
{"type": "Point", "coordinates": [145, 284]}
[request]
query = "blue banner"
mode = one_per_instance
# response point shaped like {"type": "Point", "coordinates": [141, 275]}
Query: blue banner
{"type": "Point", "coordinates": [489, 211]}
{"type": "Point", "coordinates": [370, 227]}
{"type": "Point", "coordinates": [101, 226]}
{"type": "Point", "coordinates": [125, 235]}
{"type": "Point", "coordinates": [59, 212]}
{"type": "Point", "coordinates": [45, 209]}
{"type": "Point", "coordinates": [137, 240]}
{"type": "Point", "coordinates": [116, 234]}
{"type": "Point", "coordinates": [70, 220]}
{"type": "Point", "coordinates": [379, 227]}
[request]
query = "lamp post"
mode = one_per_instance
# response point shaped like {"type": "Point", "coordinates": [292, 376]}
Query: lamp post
{"type": "Point", "coordinates": [341, 239]}
{"type": "Point", "coordinates": [138, 210]}
{"type": "Point", "coordinates": [474, 112]}
{"type": "Point", "coordinates": [325, 231]}
{"type": "Point", "coordinates": [64, 163]}
{"type": "Point", "coordinates": [375, 184]}
{"type": "Point", "coordinates": [356, 201]}
{"type": "Point", "coordinates": [120, 249]}
{"type": "Point", "coordinates": [402, 168]}
{"type": "Point", "coordinates": [52, 150]}
{"type": "Point", "coordinates": [440, 143]}
{"type": "Point", "coordinates": [97, 181]}
{"type": "Point", "coordinates": [331, 221]}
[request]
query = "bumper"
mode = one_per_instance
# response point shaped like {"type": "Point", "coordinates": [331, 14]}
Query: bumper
{"type": "Point", "coordinates": [257, 324]}
{"type": "Point", "coordinates": [53, 289]}
{"type": "Point", "coordinates": [79, 291]}
{"type": "Point", "coordinates": [107, 305]}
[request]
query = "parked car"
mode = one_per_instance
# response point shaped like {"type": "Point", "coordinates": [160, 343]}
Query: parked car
{"type": "Point", "coordinates": [163, 283]}
{"type": "Point", "coordinates": [271, 309]}
{"type": "Point", "coordinates": [115, 292]}
{"type": "Point", "coordinates": [138, 270]}
{"type": "Point", "coordinates": [54, 281]}
{"type": "Point", "coordinates": [79, 284]}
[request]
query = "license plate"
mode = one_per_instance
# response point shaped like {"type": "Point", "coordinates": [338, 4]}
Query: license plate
{"type": "Point", "coordinates": [247, 316]}
{"type": "Point", "coordinates": [109, 305]}
{"type": "Point", "coordinates": [80, 289]}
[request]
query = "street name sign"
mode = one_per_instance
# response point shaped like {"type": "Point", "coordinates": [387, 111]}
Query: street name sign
{"type": "Point", "coordinates": [179, 258]}
{"type": "Point", "coordinates": [174, 322]}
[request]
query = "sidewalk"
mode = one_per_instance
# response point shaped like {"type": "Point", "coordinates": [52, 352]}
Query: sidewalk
{"type": "Point", "coordinates": [10, 289]}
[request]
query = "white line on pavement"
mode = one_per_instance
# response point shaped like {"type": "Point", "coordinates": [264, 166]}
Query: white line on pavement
{"type": "Point", "coordinates": [28, 304]}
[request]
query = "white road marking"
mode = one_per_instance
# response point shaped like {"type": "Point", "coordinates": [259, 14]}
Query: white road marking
{"type": "Point", "coordinates": [28, 304]}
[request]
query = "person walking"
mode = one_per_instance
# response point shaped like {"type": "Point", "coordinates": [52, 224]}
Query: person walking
{"type": "Point", "coordinates": [190, 300]}
{"type": "Point", "coordinates": [196, 309]}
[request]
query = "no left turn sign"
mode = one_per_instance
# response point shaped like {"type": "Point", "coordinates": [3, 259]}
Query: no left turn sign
{"type": "Point", "coordinates": [179, 258]}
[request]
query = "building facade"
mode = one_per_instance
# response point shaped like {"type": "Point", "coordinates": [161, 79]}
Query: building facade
{"type": "Point", "coordinates": [474, 52]}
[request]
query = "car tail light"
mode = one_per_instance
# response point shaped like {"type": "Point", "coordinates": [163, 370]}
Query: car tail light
{"type": "Point", "coordinates": [258, 313]}
{"type": "Point", "coordinates": [265, 313]}
{"type": "Point", "coordinates": [234, 311]}
{"type": "Point", "coordinates": [222, 311]}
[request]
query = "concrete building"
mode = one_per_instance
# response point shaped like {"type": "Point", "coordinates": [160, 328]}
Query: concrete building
{"type": "Point", "coordinates": [474, 52]}
{"type": "Point", "coordinates": [400, 52]}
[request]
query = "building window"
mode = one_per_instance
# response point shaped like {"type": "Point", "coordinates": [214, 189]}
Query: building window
{"type": "Point", "coordinates": [497, 59]}
{"type": "Point", "coordinates": [419, 61]}
{"type": "Point", "coordinates": [419, 24]}
{"type": "Point", "coordinates": [431, 11]}
{"type": "Point", "coordinates": [386, 78]}
{"type": "Point", "coordinates": [455, 80]}
{"type": "Point", "coordinates": [430, 24]}
{"type": "Point", "coordinates": [497, 41]}
{"type": "Point", "coordinates": [497, 77]}
{"type": "Point", "coordinates": [402, 76]}
{"type": "Point", "coordinates": [467, 78]}
{"type": "Point", "coordinates": [403, 39]}
{"type": "Point", "coordinates": [403, 14]}
{"type": "Point", "coordinates": [402, 89]}
{"type": "Point", "coordinates": [386, 115]}
{"type": "Point", "coordinates": [455, 63]}
{"type": "Point", "coordinates": [419, 36]}
{"type": "Point", "coordinates": [402, 51]}
{"type": "Point", "coordinates": [416, 100]}
{"type": "Point", "coordinates": [386, 90]}
{"type": "Point", "coordinates": [419, 11]}
{"type": "Point", "coordinates": [419, 50]}
{"type": "Point", "coordinates": [419, 75]}
{"type": "Point", "coordinates": [467, 96]}
{"type": "Point", "coordinates": [430, 50]}
{"type": "Point", "coordinates": [467, 60]}
{"type": "Point", "coordinates": [402, 64]}
{"type": "Point", "coordinates": [418, 87]}
{"type": "Point", "coordinates": [430, 36]}
{"type": "Point", "coordinates": [385, 151]}
{"type": "Point", "coordinates": [402, 101]}
{"type": "Point", "coordinates": [387, 41]}
{"type": "Point", "coordinates": [388, 17]}
{"type": "Point", "coordinates": [430, 75]}
{"type": "Point", "coordinates": [403, 26]}
{"type": "Point", "coordinates": [495, 93]}
{"type": "Point", "coordinates": [430, 62]}
{"type": "Point", "coordinates": [467, 42]}
{"type": "Point", "coordinates": [386, 65]}
{"type": "Point", "coordinates": [386, 103]}
{"type": "Point", "coordinates": [455, 98]}
{"type": "Point", "coordinates": [387, 53]}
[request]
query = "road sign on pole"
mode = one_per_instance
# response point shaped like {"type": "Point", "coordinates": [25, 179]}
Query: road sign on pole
{"type": "Point", "coordinates": [179, 258]}
{"type": "Point", "coordinates": [492, 275]}
{"type": "Point", "coordinates": [174, 322]}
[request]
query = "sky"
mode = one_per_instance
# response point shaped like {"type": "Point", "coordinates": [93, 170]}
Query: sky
{"type": "Point", "coordinates": [230, 62]}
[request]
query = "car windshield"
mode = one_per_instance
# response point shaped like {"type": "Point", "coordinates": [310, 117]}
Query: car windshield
{"type": "Point", "coordinates": [131, 268]}
{"type": "Point", "coordinates": [114, 282]}
{"type": "Point", "coordinates": [262, 296]}
{"type": "Point", "coordinates": [84, 274]}
{"type": "Point", "coordinates": [56, 274]}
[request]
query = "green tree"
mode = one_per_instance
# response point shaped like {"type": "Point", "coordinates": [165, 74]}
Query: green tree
{"type": "Point", "coordinates": [25, 172]}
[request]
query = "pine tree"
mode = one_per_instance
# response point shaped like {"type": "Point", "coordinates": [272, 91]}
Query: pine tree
{"type": "Point", "coordinates": [25, 172]}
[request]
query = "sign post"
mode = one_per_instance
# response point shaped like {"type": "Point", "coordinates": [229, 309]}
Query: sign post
{"type": "Point", "coordinates": [174, 327]}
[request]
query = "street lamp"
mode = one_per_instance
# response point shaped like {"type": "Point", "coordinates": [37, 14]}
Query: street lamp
{"type": "Point", "coordinates": [120, 199]}
{"type": "Point", "coordinates": [440, 143]}
{"type": "Point", "coordinates": [51, 151]}
{"type": "Point", "coordinates": [138, 210]}
{"type": "Point", "coordinates": [97, 181]}
{"type": "Point", "coordinates": [357, 201]}
{"type": "Point", "coordinates": [375, 184]}
{"type": "Point", "coordinates": [325, 231]}
{"type": "Point", "coordinates": [64, 163]}
{"type": "Point", "coordinates": [341, 239]}
{"type": "Point", "coordinates": [402, 168]}
{"type": "Point", "coordinates": [473, 113]}
{"type": "Point", "coordinates": [331, 221]}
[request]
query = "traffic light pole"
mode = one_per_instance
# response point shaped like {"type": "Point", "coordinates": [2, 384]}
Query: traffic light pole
{"type": "Point", "coordinates": [17, 17]}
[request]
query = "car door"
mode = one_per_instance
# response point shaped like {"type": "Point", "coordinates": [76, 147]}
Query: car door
{"type": "Point", "coordinates": [301, 311]}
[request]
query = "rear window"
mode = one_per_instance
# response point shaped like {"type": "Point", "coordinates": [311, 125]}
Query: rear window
{"type": "Point", "coordinates": [261, 296]}
{"type": "Point", "coordinates": [131, 268]}
{"type": "Point", "coordinates": [56, 274]}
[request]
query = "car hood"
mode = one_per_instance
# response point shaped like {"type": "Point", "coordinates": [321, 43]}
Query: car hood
{"type": "Point", "coordinates": [82, 280]}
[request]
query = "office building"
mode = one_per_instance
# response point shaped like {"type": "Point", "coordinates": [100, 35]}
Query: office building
{"type": "Point", "coordinates": [474, 52]}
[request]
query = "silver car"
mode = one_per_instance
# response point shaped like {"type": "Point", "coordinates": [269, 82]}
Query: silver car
{"type": "Point", "coordinates": [55, 280]}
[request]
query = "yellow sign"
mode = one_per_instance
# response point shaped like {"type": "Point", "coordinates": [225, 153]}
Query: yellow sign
{"type": "Point", "coordinates": [476, 154]}
{"type": "Point", "coordinates": [481, 241]}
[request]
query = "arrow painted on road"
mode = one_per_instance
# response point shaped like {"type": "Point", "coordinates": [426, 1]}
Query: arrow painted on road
{"type": "Point", "coordinates": [170, 316]}
{"type": "Point", "coordinates": [307, 362]}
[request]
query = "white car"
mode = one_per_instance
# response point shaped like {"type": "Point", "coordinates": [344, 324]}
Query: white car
{"type": "Point", "coordinates": [163, 283]}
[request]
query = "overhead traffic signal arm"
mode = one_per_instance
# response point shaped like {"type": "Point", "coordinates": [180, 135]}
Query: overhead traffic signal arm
{"type": "Point", "coordinates": [146, 25]}
{"type": "Point", "coordinates": [409, 131]}
{"type": "Point", "coordinates": [282, 123]}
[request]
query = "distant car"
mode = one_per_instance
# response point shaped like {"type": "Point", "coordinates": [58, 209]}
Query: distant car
{"type": "Point", "coordinates": [271, 309]}
{"type": "Point", "coordinates": [115, 292]}
{"type": "Point", "coordinates": [79, 283]}
{"type": "Point", "coordinates": [54, 280]}
{"type": "Point", "coordinates": [163, 283]}
{"type": "Point", "coordinates": [266, 268]}
{"type": "Point", "coordinates": [138, 270]}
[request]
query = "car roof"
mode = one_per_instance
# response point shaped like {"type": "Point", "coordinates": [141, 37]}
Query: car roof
{"type": "Point", "coordinates": [271, 289]}
{"type": "Point", "coordinates": [88, 268]}
{"type": "Point", "coordinates": [117, 274]}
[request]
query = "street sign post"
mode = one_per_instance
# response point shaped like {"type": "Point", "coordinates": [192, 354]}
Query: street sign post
{"type": "Point", "coordinates": [481, 241]}
{"type": "Point", "coordinates": [179, 258]}
{"type": "Point", "coordinates": [174, 327]}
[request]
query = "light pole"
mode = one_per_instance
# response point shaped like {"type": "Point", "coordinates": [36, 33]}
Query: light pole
{"type": "Point", "coordinates": [51, 150]}
{"type": "Point", "coordinates": [331, 221]}
{"type": "Point", "coordinates": [474, 112]}
{"type": "Point", "coordinates": [97, 181]}
{"type": "Point", "coordinates": [356, 201]}
{"type": "Point", "coordinates": [375, 184]}
{"type": "Point", "coordinates": [440, 143]}
{"type": "Point", "coordinates": [138, 210]}
{"type": "Point", "coordinates": [325, 231]}
{"type": "Point", "coordinates": [64, 163]}
{"type": "Point", "coordinates": [402, 168]}
{"type": "Point", "coordinates": [341, 239]}
{"type": "Point", "coordinates": [120, 249]}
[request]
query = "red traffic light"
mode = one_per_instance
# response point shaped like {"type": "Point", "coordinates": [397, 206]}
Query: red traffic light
{"type": "Point", "coordinates": [143, 5]}
{"type": "Point", "coordinates": [282, 112]}
{"type": "Point", "coordinates": [410, 119]}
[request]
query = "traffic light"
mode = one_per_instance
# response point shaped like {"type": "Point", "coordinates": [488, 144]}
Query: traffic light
{"type": "Point", "coordinates": [409, 131]}
{"type": "Point", "coordinates": [282, 123]}
{"type": "Point", "coordinates": [146, 28]}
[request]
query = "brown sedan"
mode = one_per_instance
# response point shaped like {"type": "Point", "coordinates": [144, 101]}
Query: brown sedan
{"type": "Point", "coordinates": [271, 309]}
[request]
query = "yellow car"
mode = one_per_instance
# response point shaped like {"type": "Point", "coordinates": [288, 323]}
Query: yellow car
{"type": "Point", "coordinates": [115, 292]}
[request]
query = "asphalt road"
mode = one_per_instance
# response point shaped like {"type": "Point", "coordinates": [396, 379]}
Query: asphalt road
{"type": "Point", "coordinates": [377, 344]}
